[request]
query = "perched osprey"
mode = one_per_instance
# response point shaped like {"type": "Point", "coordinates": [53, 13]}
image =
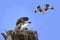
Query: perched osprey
{"type": "Point", "coordinates": [22, 22]}
{"type": "Point", "coordinates": [43, 10]}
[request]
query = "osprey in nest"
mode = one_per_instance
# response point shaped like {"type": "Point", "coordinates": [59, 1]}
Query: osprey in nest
{"type": "Point", "coordinates": [22, 22]}
{"type": "Point", "coordinates": [43, 10]}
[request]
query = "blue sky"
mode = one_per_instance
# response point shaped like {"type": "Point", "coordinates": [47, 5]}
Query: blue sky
{"type": "Point", "coordinates": [47, 25]}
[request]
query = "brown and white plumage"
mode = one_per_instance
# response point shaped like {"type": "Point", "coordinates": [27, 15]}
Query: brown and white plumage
{"type": "Point", "coordinates": [22, 22]}
{"type": "Point", "coordinates": [43, 10]}
{"type": "Point", "coordinates": [25, 25]}
{"type": "Point", "coordinates": [22, 19]}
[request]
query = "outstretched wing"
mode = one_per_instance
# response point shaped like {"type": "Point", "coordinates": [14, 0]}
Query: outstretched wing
{"type": "Point", "coordinates": [47, 7]}
{"type": "Point", "coordinates": [38, 9]}
{"type": "Point", "coordinates": [51, 7]}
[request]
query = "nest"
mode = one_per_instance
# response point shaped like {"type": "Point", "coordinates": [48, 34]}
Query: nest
{"type": "Point", "coordinates": [21, 35]}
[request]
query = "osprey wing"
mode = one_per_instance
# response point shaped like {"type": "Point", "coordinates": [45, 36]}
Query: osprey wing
{"type": "Point", "coordinates": [47, 7]}
{"type": "Point", "coordinates": [38, 9]}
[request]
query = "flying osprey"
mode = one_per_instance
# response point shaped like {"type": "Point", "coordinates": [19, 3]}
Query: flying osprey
{"type": "Point", "coordinates": [22, 22]}
{"type": "Point", "coordinates": [43, 10]}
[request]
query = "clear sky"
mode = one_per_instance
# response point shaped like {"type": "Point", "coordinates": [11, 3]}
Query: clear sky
{"type": "Point", "coordinates": [47, 25]}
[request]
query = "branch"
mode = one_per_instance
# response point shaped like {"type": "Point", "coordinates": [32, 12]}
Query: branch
{"type": "Point", "coordinates": [3, 35]}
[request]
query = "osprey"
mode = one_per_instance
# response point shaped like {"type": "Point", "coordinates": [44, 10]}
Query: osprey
{"type": "Point", "coordinates": [43, 10]}
{"type": "Point", "coordinates": [22, 22]}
